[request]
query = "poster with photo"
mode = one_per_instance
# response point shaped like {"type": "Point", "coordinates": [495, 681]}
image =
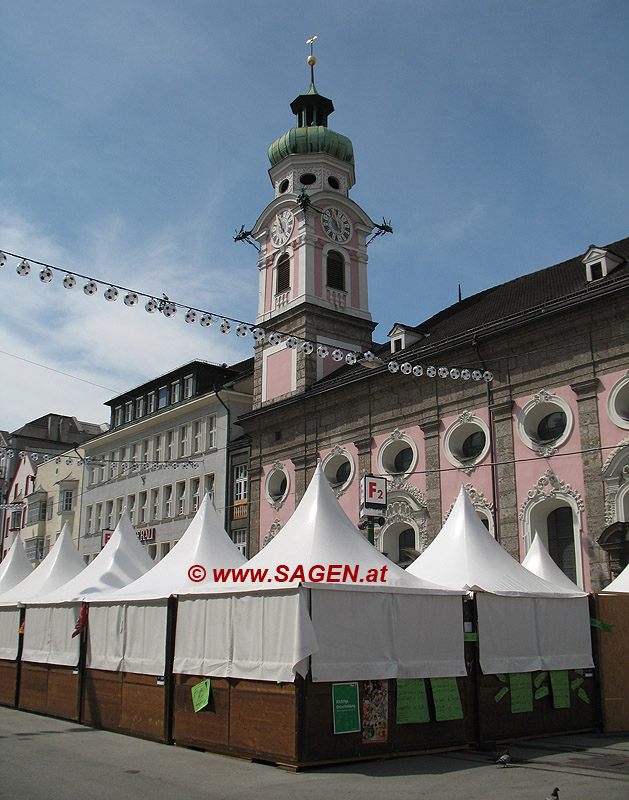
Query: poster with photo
{"type": "Point", "coordinates": [375, 708]}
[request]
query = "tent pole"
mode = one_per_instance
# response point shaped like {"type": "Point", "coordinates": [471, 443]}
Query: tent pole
{"type": "Point", "coordinates": [18, 663]}
{"type": "Point", "coordinates": [169, 688]}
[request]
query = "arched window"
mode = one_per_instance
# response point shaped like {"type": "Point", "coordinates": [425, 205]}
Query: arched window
{"type": "Point", "coordinates": [282, 270]}
{"type": "Point", "coordinates": [335, 274]}
{"type": "Point", "coordinates": [560, 529]}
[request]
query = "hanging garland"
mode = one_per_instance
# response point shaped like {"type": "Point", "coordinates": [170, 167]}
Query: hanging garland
{"type": "Point", "coordinates": [169, 308]}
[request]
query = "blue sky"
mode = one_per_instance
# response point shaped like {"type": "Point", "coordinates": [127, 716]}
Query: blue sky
{"type": "Point", "coordinates": [493, 135]}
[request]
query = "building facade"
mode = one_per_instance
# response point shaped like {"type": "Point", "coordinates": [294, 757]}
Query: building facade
{"type": "Point", "coordinates": [520, 393]}
{"type": "Point", "coordinates": [167, 448]}
{"type": "Point", "coordinates": [35, 445]}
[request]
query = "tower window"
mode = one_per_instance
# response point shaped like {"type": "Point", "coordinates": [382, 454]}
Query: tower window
{"type": "Point", "coordinates": [307, 179]}
{"type": "Point", "coordinates": [335, 271]}
{"type": "Point", "coordinates": [284, 186]}
{"type": "Point", "coordinates": [333, 182]}
{"type": "Point", "coordinates": [282, 280]}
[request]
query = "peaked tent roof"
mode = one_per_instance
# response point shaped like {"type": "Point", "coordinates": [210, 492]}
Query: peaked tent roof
{"type": "Point", "coordinates": [205, 543]}
{"type": "Point", "coordinates": [15, 567]}
{"type": "Point", "coordinates": [122, 560]}
{"type": "Point", "coordinates": [620, 584]}
{"type": "Point", "coordinates": [539, 562]}
{"type": "Point", "coordinates": [62, 564]}
{"type": "Point", "coordinates": [319, 534]}
{"type": "Point", "coordinates": [464, 555]}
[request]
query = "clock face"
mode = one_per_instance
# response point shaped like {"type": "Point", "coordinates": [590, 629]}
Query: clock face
{"type": "Point", "coordinates": [336, 225]}
{"type": "Point", "coordinates": [282, 227]}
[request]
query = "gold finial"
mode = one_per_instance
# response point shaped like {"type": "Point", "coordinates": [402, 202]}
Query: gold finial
{"type": "Point", "coordinates": [312, 60]}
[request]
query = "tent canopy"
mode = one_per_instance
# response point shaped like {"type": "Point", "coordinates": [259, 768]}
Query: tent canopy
{"type": "Point", "coordinates": [122, 560]}
{"type": "Point", "coordinates": [620, 584]}
{"type": "Point", "coordinates": [62, 564]}
{"type": "Point", "coordinates": [464, 555]}
{"type": "Point", "coordinates": [204, 544]}
{"type": "Point", "coordinates": [319, 546]}
{"type": "Point", "coordinates": [539, 562]}
{"type": "Point", "coordinates": [15, 566]}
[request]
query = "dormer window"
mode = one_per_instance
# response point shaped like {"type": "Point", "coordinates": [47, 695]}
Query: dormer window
{"type": "Point", "coordinates": [599, 263]}
{"type": "Point", "coordinates": [402, 337]}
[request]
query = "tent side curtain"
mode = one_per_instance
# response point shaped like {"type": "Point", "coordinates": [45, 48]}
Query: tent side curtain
{"type": "Point", "coordinates": [128, 637]}
{"type": "Point", "coordinates": [264, 637]}
{"type": "Point", "coordinates": [378, 635]}
{"type": "Point", "coordinates": [9, 630]}
{"type": "Point", "coordinates": [526, 634]}
{"type": "Point", "coordinates": [48, 635]}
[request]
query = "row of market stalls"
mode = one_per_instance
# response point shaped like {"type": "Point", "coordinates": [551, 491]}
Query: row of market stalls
{"type": "Point", "coordinates": [317, 649]}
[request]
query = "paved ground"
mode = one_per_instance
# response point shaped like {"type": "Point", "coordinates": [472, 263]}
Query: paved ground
{"type": "Point", "coordinates": [48, 759]}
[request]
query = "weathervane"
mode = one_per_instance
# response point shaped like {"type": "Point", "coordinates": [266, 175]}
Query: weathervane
{"type": "Point", "coordinates": [312, 59]}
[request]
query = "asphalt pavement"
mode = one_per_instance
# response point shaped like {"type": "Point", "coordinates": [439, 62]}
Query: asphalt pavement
{"type": "Point", "coordinates": [49, 759]}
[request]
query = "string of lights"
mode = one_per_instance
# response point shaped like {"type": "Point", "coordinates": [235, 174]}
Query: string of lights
{"type": "Point", "coordinates": [169, 308]}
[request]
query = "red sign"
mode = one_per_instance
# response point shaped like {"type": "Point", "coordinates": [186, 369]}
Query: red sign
{"type": "Point", "coordinates": [373, 496]}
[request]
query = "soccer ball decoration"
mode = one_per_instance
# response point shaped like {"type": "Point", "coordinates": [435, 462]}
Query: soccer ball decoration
{"type": "Point", "coordinates": [90, 288]}
{"type": "Point", "coordinates": [191, 316]}
{"type": "Point", "coordinates": [45, 275]}
{"type": "Point", "coordinates": [131, 299]}
{"type": "Point", "coordinates": [69, 281]}
{"type": "Point", "coordinates": [226, 326]}
{"type": "Point", "coordinates": [111, 294]}
{"type": "Point", "coordinates": [206, 320]}
{"type": "Point", "coordinates": [23, 268]}
{"type": "Point", "coordinates": [151, 306]}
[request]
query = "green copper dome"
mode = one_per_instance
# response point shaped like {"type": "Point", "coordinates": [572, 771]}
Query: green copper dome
{"type": "Point", "coordinates": [315, 139]}
{"type": "Point", "coordinates": [312, 134]}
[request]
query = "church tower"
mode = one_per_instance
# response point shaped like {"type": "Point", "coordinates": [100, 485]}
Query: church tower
{"type": "Point", "coordinates": [313, 256]}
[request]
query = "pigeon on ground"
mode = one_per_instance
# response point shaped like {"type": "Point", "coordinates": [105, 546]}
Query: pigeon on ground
{"type": "Point", "coordinates": [504, 759]}
{"type": "Point", "coordinates": [554, 795]}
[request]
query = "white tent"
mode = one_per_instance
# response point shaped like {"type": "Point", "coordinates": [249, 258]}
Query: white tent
{"type": "Point", "coordinates": [51, 618]}
{"type": "Point", "coordinates": [127, 629]}
{"type": "Point", "coordinates": [15, 567]}
{"type": "Point", "coordinates": [524, 622]}
{"type": "Point", "coordinates": [539, 562]}
{"type": "Point", "coordinates": [620, 584]}
{"type": "Point", "coordinates": [62, 563]}
{"type": "Point", "coordinates": [320, 591]}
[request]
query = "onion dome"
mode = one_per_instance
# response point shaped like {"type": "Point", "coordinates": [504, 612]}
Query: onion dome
{"type": "Point", "coordinates": [312, 135]}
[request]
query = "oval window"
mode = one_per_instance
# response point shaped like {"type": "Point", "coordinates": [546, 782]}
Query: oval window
{"type": "Point", "coordinates": [551, 426]}
{"type": "Point", "coordinates": [473, 445]}
{"type": "Point", "coordinates": [333, 182]}
{"type": "Point", "coordinates": [307, 179]}
{"type": "Point", "coordinates": [284, 186]}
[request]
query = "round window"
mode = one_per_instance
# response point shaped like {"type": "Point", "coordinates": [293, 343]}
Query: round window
{"type": "Point", "coordinates": [276, 486]}
{"type": "Point", "coordinates": [473, 445]}
{"type": "Point", "coordinates": [551, 426]}
{"type": "Point", "coordinates": [397, 455]}
{"type": "Point", "coordinates": [307, 179]}
{"type": "Point", "coordinates": [338, 469]}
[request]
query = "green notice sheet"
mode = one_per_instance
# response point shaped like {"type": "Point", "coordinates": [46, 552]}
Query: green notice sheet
{"type": "Point", "coordinates": [345, 707]}
{"type": "Point", "coordinates": [561, 688]}
{"type": "Point", "coordinates": [521, 684]}
{"type": "Point", "coordinates": [200, 695]}
{"type": "Point", "coordinates": [412, 702]}
{"type": "Point", "coordinates": [445, 694]}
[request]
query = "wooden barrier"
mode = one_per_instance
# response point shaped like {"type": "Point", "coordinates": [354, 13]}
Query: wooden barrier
{"type": "Point", "coordinates": [8, 682]}
{"type": "Point", "coordinates": [613, 659]}
{"type": "Point", "coordinates": [50, 689]}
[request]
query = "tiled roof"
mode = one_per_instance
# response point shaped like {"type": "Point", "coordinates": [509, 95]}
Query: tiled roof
{"type": "Point", "coordinates": [520, 295]}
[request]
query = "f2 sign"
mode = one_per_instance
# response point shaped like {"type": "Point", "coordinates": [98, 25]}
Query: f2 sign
{"type": "Point", "coordinates": [373, 496]}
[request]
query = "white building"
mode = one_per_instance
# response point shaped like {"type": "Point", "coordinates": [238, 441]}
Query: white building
{"type": "Point", "coordinates": [166, 448]}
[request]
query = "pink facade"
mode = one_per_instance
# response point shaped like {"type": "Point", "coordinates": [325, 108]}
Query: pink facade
{"type": "Point", "coordinates": [15, 517]}
{"type": "Point", "coordinates": [279, 377]}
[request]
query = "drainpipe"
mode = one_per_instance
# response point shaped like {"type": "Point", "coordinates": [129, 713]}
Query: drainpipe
{"type": "Point", "coordinates": [217, 388]}
{"type": "Point", "coordinates": [492, 444]}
